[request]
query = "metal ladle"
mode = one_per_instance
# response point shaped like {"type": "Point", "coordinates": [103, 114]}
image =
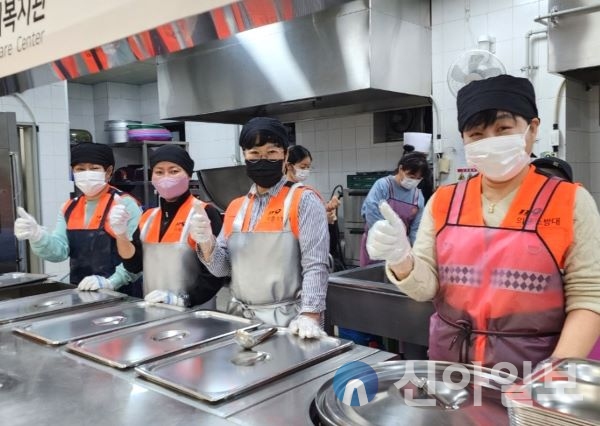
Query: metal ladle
{"type": "Point", "coordinates": [248, 341]}
{"type": "Point", "coordinates": [247, 357]}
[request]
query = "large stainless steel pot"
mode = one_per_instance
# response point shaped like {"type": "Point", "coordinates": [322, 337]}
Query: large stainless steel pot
{"type": "Point", "coordinates": [116, 130]}
{"type": "Point", "coordinates": [413, 393]}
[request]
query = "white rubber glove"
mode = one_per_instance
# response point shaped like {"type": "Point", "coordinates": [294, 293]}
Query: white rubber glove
{"type": "Point", "coordinates": [306, 328]}
{"type": "Point", "coordinates": [164, 296]}
{"type": "Point", "coordinates": [200, 229]}
{"type": "Point", "coordinates": [27, 228]}
{"type": "Point", "coordinates": [118, 216]}
{"type": "Point", "coordinates": [387, 239]}
{"type": "Point", "coordinates": [95, 282]}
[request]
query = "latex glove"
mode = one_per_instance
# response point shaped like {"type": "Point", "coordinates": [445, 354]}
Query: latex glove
{"type": "Point", "coordinates": [118, 216]}
{"type": "Point", "coordinates": [164, 296]}
{"type": "Point", "coordinates": [95, 282]}
{"type": "Point", "coordinates": [306, 327]}
{"type": "Point", "coordinates": [200, 229]}
{"type": "Point", "coordinates": [332, 204]}
{"type": "Point", "coordinates": [331, 217]}
{"type": "Point", "coordinates": [27, 228]}
{"type": "Point", "coordinates": [387, 239]}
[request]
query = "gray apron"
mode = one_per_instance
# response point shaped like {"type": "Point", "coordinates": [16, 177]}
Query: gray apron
{"type": "Point", "coordinates": [171, 266]}
{"type": "Point", "coordinates": [266, 278]}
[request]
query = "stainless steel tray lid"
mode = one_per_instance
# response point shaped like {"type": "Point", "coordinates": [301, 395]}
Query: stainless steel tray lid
{"type": "Point", "coordinates": [565, 392]}
{"type": "Point", "coordinates": [413, 392]}
{"type": "Point", "coordinates": [9, 279]}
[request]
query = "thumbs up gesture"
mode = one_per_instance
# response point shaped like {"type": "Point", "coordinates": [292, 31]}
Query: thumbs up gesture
{"type": "Point", "coordinates": [27, 228]}
{"type": "Point", "coordinates": [118, 216]}
{"type": "Point", "coordinates": [387, 239]}
{"type": "Point", "coordinates": [200, 229]}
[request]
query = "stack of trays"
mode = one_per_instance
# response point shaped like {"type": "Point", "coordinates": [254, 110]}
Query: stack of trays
{"type": "Point", "coordinates": [148, 132]}
{"type": "Point", "coordinates": [566, 392]}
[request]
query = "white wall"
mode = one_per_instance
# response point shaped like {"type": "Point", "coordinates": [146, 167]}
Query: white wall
{"type": "Point", "coordinates": [583, 135]}
{"type": "Point", "coordinates": [342, 146]}
{"type": "Point", "coordinates": [81, 107]}
{"type": "Point", "coordinates": [47, 107]}
{"type": "Point", "coordinates": [455, 29]}
{"type": "Point", "coordinates": [212, 145]}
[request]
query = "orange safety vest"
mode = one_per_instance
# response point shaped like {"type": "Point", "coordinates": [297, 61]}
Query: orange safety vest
{"type": "Point", "coordinates": [92, 247]}
{"type": "Point", "coordinates": [272, 217]}
{"type": "Point", "coordinates": [501, 295]}
{"type": "Point", "coordinates": [74, 211]}
{"type": "Point", "coordinates": [173, 232]}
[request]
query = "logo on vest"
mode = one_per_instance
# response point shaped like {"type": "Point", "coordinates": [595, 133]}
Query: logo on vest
{"type": "Point", "coordinates": [355, 384]}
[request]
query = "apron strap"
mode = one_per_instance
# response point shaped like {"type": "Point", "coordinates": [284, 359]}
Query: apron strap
{"type": "Point", "coordinates": [540, 203]}
{"type": "Point", "coordinates": [287, 203]}
{"type": "Point", "coordinates": [465, 330]}
{"type": "Point", "coordinates": [248, 309]}
{"type": "Point", "coordinates": [238, 222]}
{"type": "Point", "coordinates": [457, 201]}
{"type": "Point", "coordinates": [112, 193]}
{"type": "Point", "coordinates": [148, 223]}
{"type": "Point", "coordinates": [186, 227]}
{"type": "Point", "coordinates": [70, 208]}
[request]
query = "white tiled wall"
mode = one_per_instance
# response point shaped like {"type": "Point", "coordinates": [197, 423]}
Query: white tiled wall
{"type": "Point", "coordinates": [115, 101]}
{"type": "Point", "coordinates": [81, 107]}
{"type": "Point", "coordinates": [342, 146]}
{"type": "Point", "coordinates": [583, 135]}
{"type": "Point", "coordinates": [212, 145]}
{"type": "Point", "coordinates": [47, 107]}
{"type": "Point", "coordinates": [456, 27]}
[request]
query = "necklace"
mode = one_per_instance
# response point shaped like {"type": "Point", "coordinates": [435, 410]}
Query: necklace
{"type": "Point", "coordinates": [491, 205]}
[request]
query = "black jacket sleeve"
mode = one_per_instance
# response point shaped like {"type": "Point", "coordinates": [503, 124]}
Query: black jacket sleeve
{"type": "Point", "coordinates": [135, 264]}
{"type": "Point", "coordinates": [207, 285]}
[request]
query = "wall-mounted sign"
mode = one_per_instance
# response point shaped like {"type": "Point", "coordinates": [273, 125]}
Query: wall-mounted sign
{"type": "Point", "coordinates": [465, 172]}
{"type": "Point", "coordinates": [35, 32]}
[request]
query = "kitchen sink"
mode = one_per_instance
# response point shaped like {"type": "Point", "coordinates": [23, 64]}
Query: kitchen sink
{"type": "Point", "coordinates": [364, 299]}
{"type": "Point", "coordinates": [372, 276]}
{"type": "Point", "coordinates": [32, 289]}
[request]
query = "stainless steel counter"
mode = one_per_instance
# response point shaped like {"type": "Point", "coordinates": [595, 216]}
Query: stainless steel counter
{"type": "Point", "coordinates": [41, 384]}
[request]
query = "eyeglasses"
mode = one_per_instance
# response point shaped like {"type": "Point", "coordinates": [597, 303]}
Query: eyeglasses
{"type": "Point", "coordinates": [272, 154]}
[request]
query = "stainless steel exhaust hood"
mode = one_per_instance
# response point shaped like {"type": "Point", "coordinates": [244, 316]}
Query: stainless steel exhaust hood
{"type": "Point", "coordinates": [360, 56]}
{"type": "Point", "coordinates": [574, 39]}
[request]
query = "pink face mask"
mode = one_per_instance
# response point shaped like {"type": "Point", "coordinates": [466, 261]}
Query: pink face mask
{"type": "Point", "coordinates": [171, 187]}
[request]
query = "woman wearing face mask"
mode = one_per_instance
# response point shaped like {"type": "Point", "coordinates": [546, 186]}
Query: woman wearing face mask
{"type": "Point", "coordinates": [298, 167]}
{"type": "Point", "coordinates": [401, 192]}
{"type": "Point", "coordinates": [510, 256]}
{"type": "Point", "coordinates": [163, 246]}
{"type": "Point", "coordinates": [274, 241]}
{"type": "Point", "coordinates": [82, 232]}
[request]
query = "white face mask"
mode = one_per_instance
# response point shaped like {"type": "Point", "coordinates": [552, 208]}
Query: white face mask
{"type": "Point", "coordinates": [409, 183]}
{"type": "Point", "coordinates": [301, 174]}
{"type": "Point", "coordinates": [90, 182]}
{"type": "Point", "coordinates": [499, 158]}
